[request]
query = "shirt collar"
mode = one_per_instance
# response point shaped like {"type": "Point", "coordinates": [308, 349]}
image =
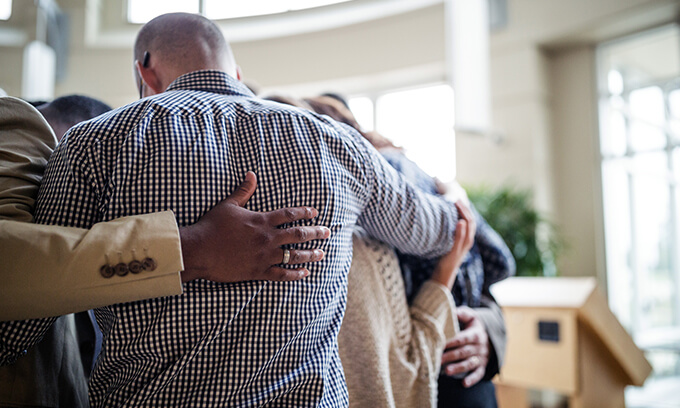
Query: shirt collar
{"type": "Point", "coordinates": [210, 81]}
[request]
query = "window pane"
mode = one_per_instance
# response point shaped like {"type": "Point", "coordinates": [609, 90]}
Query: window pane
{"type": "Point", "coordinates": [648, 116]}
{"type": "Point", "coordinates": [645, 137]}
{"type": "Point", "coordinates": [674, 111]}
{"type": "Point", "coordinates": [653, 239]}
{"type": "Point", "coordinates": [220, 9]}
{"type": "Point", "coordinates": [5, 9]}
{"type": "Point", "coordinates": [141, 11]}
{"type": "Point", "coordinates": [362, 108]}
{"type": "Point", "coordinates": [615, 82]}
{"type": "Point", "coordinates": [674, 103]}
{"type": "Point", "coordinates": [674, 128]}
{"type": "Point", "coordinates": [421, 121]}
{"type": "Point", "coordinates": [613, 141]}
{"type": "Point", "coordinates": [304, 4]}
{"type": "Point", "coordinates": [616, 195]}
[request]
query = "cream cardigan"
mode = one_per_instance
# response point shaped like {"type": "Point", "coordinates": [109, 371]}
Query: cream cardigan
{"type": "Point", "coordinates": [391, 353]}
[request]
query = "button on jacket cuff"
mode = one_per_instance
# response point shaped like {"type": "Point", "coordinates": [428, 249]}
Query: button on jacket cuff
{"type": "Point", "coordinates": [81, 254]}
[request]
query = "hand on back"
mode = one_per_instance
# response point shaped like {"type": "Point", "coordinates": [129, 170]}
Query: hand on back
{"type": "Point", "coordinates": [231, 244]}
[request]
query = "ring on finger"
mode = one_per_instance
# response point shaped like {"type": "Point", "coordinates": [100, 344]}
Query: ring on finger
{"type": "Point", "coordinates": [286, 256]}
{"type": "Point", "coordinates": [474, 360]}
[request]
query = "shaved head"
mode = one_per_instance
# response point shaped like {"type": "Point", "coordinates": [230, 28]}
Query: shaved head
{"type": "Point", "coordinates": [179, 43]}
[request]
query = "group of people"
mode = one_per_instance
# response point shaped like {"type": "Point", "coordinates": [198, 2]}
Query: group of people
{"type": "Point", "coordinates": [239, 251]}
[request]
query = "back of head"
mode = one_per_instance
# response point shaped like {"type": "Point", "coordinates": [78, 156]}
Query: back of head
{"type": "Point", "coordinates": [328, 105]}
{"type": "Point", "coordinates": [337, 97]}
{"type": "Point", "coordinates": [337, 108]}
{"type": "Point", "coordinates": [184, 43]}
{"type": "Point", "coordinates": [67, 111]}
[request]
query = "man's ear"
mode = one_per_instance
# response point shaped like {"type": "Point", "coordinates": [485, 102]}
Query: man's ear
{"type": "Point", "coordinates": [150, 78]}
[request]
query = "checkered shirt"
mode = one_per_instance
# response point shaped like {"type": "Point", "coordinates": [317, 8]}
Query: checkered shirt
{"type": "Point", "coordinates": [242, 344]}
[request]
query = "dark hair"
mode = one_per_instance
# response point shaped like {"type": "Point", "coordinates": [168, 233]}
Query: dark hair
{"type": "Point", "coordinates": [35, 104]}
{"type": "Point", "coordinates": [73, 109]}
{"type": "Point", "coordinates": [337, 97]}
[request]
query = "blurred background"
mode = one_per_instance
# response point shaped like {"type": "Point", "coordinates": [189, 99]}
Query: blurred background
{"type": "Point", "coordinates": [567, 110]}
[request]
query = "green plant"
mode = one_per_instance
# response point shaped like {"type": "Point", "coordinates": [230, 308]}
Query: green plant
{"type": "Point", "coordinates": [534, 242]}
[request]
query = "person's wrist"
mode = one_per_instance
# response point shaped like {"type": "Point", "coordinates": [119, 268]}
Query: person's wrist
{"type": "Point", "coordinates": [194, 267]}
{"type": "Point", "coordinates": [445, 276]}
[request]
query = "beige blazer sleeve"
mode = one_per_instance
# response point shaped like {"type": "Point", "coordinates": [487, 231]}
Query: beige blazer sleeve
{"type": "Point", "coordinates": [51, 270]}
{"type": "Point", "coordinates": [26, 142]}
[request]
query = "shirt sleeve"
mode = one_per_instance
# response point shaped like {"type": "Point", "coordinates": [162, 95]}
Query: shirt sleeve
{"type": "Point", "coordinates": [399, 213]}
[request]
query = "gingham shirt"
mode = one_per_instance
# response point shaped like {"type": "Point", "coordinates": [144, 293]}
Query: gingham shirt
{"type": "Point", "coordinates": [226, 345]}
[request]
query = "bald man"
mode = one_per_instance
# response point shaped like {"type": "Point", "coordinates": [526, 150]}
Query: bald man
{"type": "Point", "coordinates": [184, 146]}
{"type": "Point", "coordinates": [50, 374]}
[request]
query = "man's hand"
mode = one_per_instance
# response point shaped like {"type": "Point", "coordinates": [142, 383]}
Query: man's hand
{"type": "Point", "coordinates": [232, 244]}
{"type": "Point", "coordinates": [468, 351]}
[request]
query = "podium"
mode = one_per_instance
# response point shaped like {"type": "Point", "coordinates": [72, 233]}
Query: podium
{"type": "Point", "coordinates": [563, 337]}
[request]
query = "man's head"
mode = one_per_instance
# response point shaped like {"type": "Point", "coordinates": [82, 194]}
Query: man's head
{"type": "Point", "coordinates": [67, 111]}
{"type": "Point", "coordinates": [176, 44]}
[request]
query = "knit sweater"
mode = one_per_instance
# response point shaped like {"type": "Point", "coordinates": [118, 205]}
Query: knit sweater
{"type": "Point", "coordinates": [391, 353]}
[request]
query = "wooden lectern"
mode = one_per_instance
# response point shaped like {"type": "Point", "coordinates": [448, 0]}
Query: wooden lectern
{"type": "Point", "coordinates": [563, 337]}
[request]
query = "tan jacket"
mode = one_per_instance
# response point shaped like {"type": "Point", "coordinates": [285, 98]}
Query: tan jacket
{"type": "Point", "coordinates": [50, 270]}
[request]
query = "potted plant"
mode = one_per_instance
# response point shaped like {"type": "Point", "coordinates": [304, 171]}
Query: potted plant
{"type": "Point", "coordinates": [534, 242]}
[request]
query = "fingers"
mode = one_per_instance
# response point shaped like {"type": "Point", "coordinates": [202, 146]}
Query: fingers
{"type": "Point", "coordinates": [296, 235]}
{"type": "Point", "coordinates": [299, 256]}
{"type": "Point", "coordinates": [475, 376]}
{"type": "Point", "coordinates": [290, 215]}
{"type": "Point", "coordinates": [278, 274]}
{"type": "Point", "coordinates": [465, 337]}
{"type": "Point", "coordinates": [459, 340]}
{"type": "Point", "coordinates": [459, 353]}
{"type": "Point", "coordinates": [460, 237]}
{"type": "Point", "coordinates": [463, 211]}
{"type": "Point", "coordinates": [447, 268]}
{"type": "Point", "coordinates": [470, 226]}
{"type": "Point", "coordinates": [465, 315]}
{"type": "Point", "coordinates": [246, 190]}
{"type": "Point", "coordinates": [470, 365]}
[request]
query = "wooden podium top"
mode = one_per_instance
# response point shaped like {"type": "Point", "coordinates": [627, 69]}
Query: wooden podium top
{"type": "Point", "coordinates": [543, 292]}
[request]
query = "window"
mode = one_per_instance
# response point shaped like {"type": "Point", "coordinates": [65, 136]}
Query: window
{"type": "Point", "coordinates": [5, 9]}
{"type": "Point", "coordinates": [639, 81]}
{"type": "Point", "coordinates": [419, 120]}
{"type": "Point", "coordinates": [141, 11]}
